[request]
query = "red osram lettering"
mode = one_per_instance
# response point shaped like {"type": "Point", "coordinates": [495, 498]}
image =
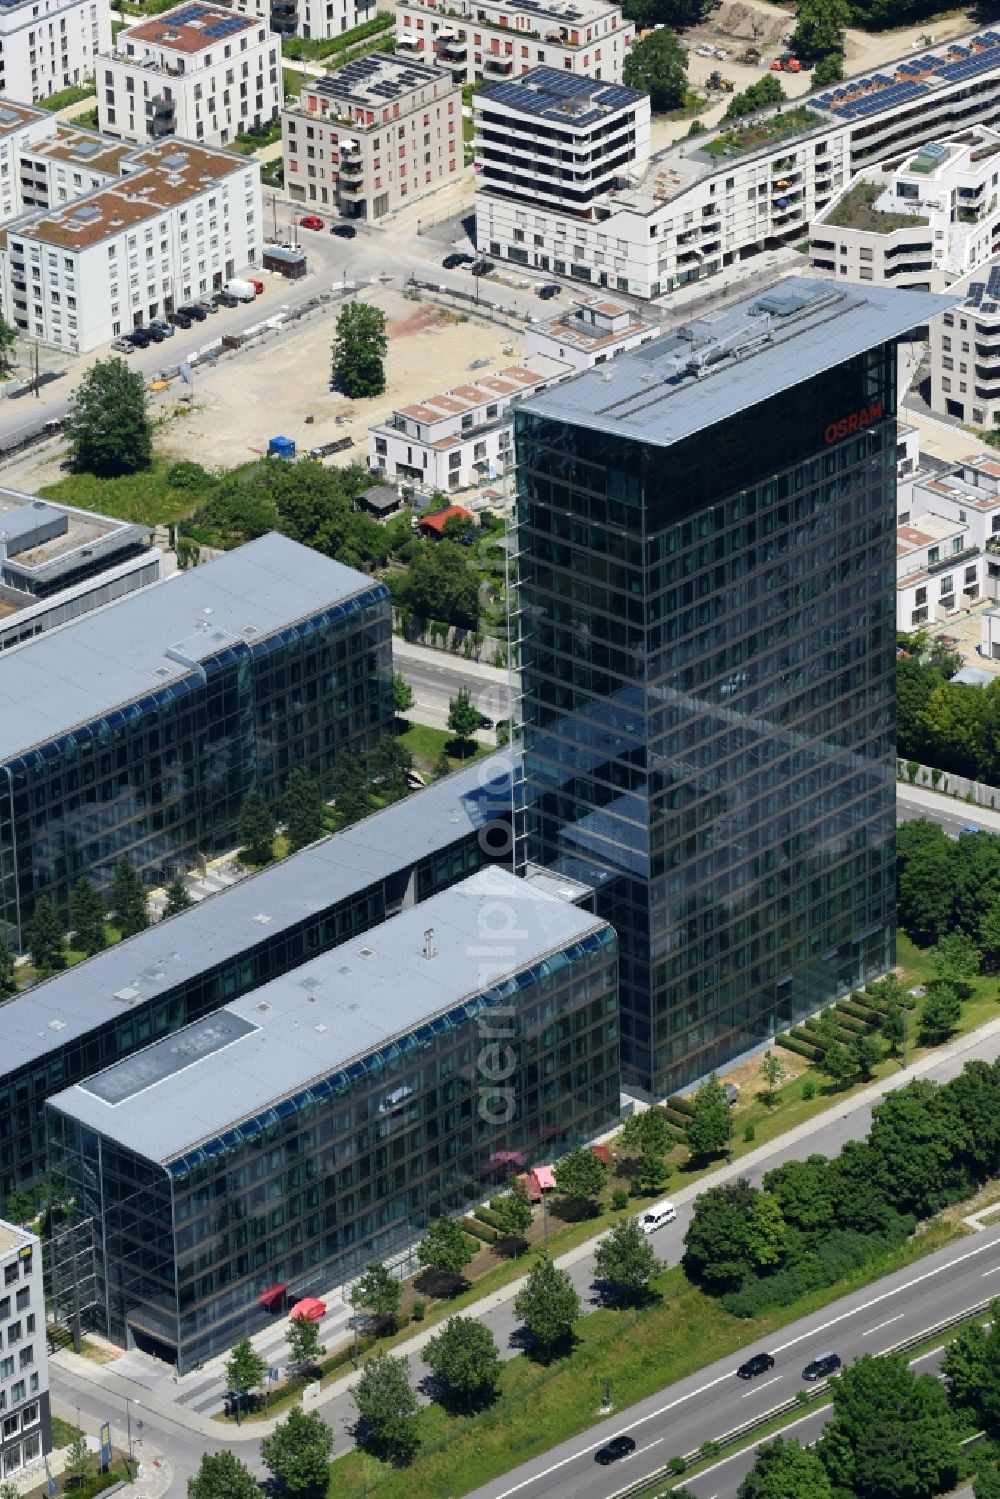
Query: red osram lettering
{"type": "Point", "coordinates": [853, 423]}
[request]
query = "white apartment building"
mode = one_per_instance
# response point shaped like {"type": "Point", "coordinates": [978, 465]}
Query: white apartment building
{"type": "Point", "coordinates": [501, 39]}
{"type": "Point", "coordinates": [922, 222]}
{"type": "Point", "coordinates": [199, 71]}
{"type": "Point", "coordinates": [181, 220]}
{"type": "Point", "coordinates": [25, 1418]}
{"type": "Point", "coordinates": [20, 127]}
{"type": "Point", "coordinates": [948, 537]}
{"type": "Point", "coordinates": [459, 438]}
{"type": "Point", "coordinates": [378, 132]}
{"type": "Point", "coordinates": [706, 203]}
{"type": "Point", "coordinates": [49, 45]}
{"type": "Point", "coordinates": [67, 163]}
{"type": "Point", "coordinates": [316, 19]}
{"type": "Point", "coordinates": [589, 331]}
{"type": "Point", "coordinates": [965, 351]}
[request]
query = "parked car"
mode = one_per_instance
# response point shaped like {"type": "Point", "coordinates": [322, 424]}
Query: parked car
{"type": "Point", "coordinates": [155, 335]}
{"type": "Point", "coordinates": [549, 291]}
{"type": "Point", "coordinates": [165, 328]}
{"type": "Point", "coordinates": [209, 303]}
{"type": "Point", "coordinates": [827, 1363]}
{"type": "Point", "coordinates": [346, 231]}
{"type": "Point", "coordinates": [482, 267]}
{"type": "Point", "coordinates": [485, 722]}
{"type": "Point", "coordinates": [617, 1448]}
{"type": "Point", "coordinates": [311, 221]}
{"type": "Point", "coordinates": [179, 319]}
{"type": "Point", "coordinates": [457, 258]}
{"type": "Point", "coordinates": [192, 310]}
{"type": "Point", "coordinates": [226, 299]}
{"type": "Point", "coordinates": [758, 1364]}
{"type": "Point", "coordinates": [140, 337]}
{"type": "Point", "coordinates": [124, 345]}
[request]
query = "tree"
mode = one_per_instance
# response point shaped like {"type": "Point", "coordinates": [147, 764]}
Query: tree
{"type": "Point", "coordinates": [865, 1055]}
{"type": "Point", "coordinates": [709, 1130]}
{"type": "Point", "coordinates": [222, 1476]}
{"type": "Point", "coordinates": [819, 28]}
{"type": "Point", "coordinates": [86, 914]}
{"type": "Point", "coordinates": [760, 95]}
{"type": "Point", "coordinates": [256, 829]}
{"type": "Point", "coordinates": [916, 1141]}
{"type": "Point", "coordinates": [837, 1062]}
{"type": "Point", "coordinates": [297, 1453]}
{"type": "Point", "coordinates": [8, 970]}
{"type": "Point", "coordinates": [464, 1356]}
{"type": "Point", "coordinates": [955, 958]}
{"type": "Point", "coordinates": [674, 13]}
{"type": "Point", "coordinates": [127, 896]}
{"type": "Point", "coordinates": [987, 1482]}
{"type": "Point", "coordinates": [379, 1292]}
{"type": "Point", "coordinates": [302, 1337]}
{"type": "Point", "coordinates": [445, 1247]}
{"type": "Point", "coordinates": [829, 69]}
{"type": "Point", "coordinates": [9, 1490]}
{"type": "Point", "coordinates": [8, 338]}
{"type": "Point", "coordinates": [463, 718]}
{"type": "Point", "coordinates": [442, 766]}
{"type": "Point", "coordinates": [926, 860]}
{"type": "Point", "coordinates": [719, 1246]}
{"type": "Point", "coordinates": [580, 1177]}
{"type": "Point", "coordinates": [803, 1191]}
{"type": "Point", "coordinates": [971, 1366]}
{"type": "Point", "coordinates": [359, 351]}
{"type": "Point", "coordinates": [44, 937]}
{"type": "Point", "coordinates": [20, 1206]}
{"type": "Point", "coordinates": [178, 899]}
{"type": "Point", "coordinates": [107, 425]}
{"type": "Point", "coordinates": [772, 1070]}
{"type": "Point", "coordinates": [387, 1406]}
{"type": "Point", "coordinates": [77, 1462]}
{"type": "Point", "coordinates": [625, 1259]}
{"type": "Point", "coordinates": [893, 1028]}
{"type": "Point", "coordinates": [390, 764]}
{"type": "Point", "coordinates": [784, 1470]}
{"type": "Point", "coordinates": [941, 1013]}
{"type": "Point", "coordinates": [246, 1370]}
{"type": "Point", "coordinates": [648, 1132]}
{"type": "Point", "coordinates": [513, 1210]}
{"type": "Point", "coordinates": [658, 66]}
{"type": "Point", "coordinates": [893, 1435]}
{"type": "Point", "coordinates": [304, 821]}
{"type": "Point", "coordinates": [650, 1175]}
{"type": "Point", "coordinates": [352, 792]}
{"type": "Point", "coordinates": [548, 1305]}
{"type": "Point", "coordinates": [402, 695]}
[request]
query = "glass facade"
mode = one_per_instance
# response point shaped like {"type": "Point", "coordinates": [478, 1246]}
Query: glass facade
{"type": "Point", "coordinates": [163, 778]}
{"type": "Point", "coordinates": [23, 1090]}
{"type": "Point", "coordinates": [353, 1167]}
{"type": "Point", "coordinates": [708, 674]}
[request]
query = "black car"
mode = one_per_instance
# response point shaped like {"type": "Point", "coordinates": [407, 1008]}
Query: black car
{"type": "Point", "coordinates": [345, 231]}
{"type": "Point", "coordinates": [482, 267]}
{"type": "Point", "coordinates": [179, 319]}
{"type": "Point", "coordinates": [155, 335]}
{"type": "Point", "coordinates": [140, 337]}
{"type": "Point", "coordinates": [759, 1364]}
{"type": "Point", "coordinates": [485, 722]}
{"type": "Point", "coordinates": [226, 299]}
{"type": "Point", "coordinates": [546, 292]}
{"type": "Point", "coordinates": [613, 1450]}
{"type": "Point", "coordinates": [827, 1363]}
{"type": "Point", "coordinates": [192, 310]}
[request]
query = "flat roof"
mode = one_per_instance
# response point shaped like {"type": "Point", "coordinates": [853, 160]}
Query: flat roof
{"type": "Point", "coordinates": [325, 1015]}
{"type": "Point", "coordinates": [708, 370]}
{"type": "Point", "coordinates": [83, 148]}
{"type": "Point", "coordinates": [187, 28]}
{"type": "Point", "coordinates": [15, 116]}
{"type": "Point", "coordinates": [14, 1237]}
{"type": "Point", "coordinates": [97, 535]}
{"type": "Point", "coordinates": [569, 98]}
{"type": "Point", "coordinates": [136, 644]}
{"type": "Point", "coordinates": [235, 920]}
{"type": "Point", "coordinates": [380, 78]}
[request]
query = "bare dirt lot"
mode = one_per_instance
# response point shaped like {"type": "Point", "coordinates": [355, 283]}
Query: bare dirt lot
{"type": "Point", "coordinates": [273, 389]}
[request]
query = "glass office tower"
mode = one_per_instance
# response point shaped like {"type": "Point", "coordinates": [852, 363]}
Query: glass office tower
{"type": "Point", "coordinates": [140, 728]}
{"type": "Point", "coordinates": [706, 598]}
{"type": "Point", "coordinates": [272, 1150]}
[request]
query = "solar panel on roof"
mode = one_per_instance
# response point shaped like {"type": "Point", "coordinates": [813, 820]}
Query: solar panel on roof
{"type": "Point", "coordinates": [988, 307]}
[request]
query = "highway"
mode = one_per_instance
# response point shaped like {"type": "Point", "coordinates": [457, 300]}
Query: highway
{"type": "Point", "coordinates": [714, 1401]}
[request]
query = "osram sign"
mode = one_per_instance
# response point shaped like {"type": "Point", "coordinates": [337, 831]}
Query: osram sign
{"type": "Point", "coordinates": [853, 423]}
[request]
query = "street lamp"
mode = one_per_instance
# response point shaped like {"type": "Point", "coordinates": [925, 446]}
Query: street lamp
{"type": "Point", "coordinates": [129, 1402]}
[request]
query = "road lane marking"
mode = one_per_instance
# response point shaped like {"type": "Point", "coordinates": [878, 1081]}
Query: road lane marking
{"type": "Point", "coordinates": [762, 1386]}
{"type": "Point", "coordinates": [993, 1271]}
{"type": "Point", "coordinates": [888, 1323]}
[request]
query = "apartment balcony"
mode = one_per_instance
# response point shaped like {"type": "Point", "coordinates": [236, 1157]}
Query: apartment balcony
{"type": "Point", "coordinates": [350, 185]}
{"type": "Point", "coordinates": [351, 166]}
{"type": "Point", "coordinates": [410, 46]}
{"type": "Point", "coordinates": [449, 52]}
{"type": "Point", "coordinates": [498, 67]}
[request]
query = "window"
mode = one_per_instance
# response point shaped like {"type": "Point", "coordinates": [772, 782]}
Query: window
{"type": "Point", "coordinates": [947, 585]}
{"type": "Point", "coordinates": [24, 1294]}
{"type": "Point", "coordinates": [11, 1273]}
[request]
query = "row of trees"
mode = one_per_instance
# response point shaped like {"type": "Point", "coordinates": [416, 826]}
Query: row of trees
{"type": "Point", "coordinates": [946, 886]}
{"type": "Point", "coordinates": [814, 1220]}
{"type": "Point", "coordinates": [952, 726]}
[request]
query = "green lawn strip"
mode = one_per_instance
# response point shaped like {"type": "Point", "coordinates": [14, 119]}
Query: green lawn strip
{"type": "Point", "coordinates": [309, 49]}
{"type": "Point", "coordinates": [146, 498]}
{"type": "Point", "coordinates": [63, 1432]}
{"type": "Point", "coordinates": [67, 96]}
{"type": "Point", "coordinates": [427, 745]}
{"type": "Point", "coordinates": [293, 80]}
{"type": "Point", "coordinates": [641, 1353]}
{"type": "Point", "coordinates": [87, 120]}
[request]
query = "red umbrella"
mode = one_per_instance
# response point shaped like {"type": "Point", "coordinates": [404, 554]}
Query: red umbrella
{"type": "Point", "coordinates": [309, 1307]}
{"type": "Point", "coordinates": [272, 1294]}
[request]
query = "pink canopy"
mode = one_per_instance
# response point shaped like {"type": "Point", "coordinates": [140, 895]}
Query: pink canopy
{"type": "Point", "coordinates": [545, 1178]}
{"type": "Point", "coordinates": [309, 1307]}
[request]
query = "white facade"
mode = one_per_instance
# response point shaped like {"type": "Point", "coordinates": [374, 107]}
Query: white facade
{"type": "Point", "coordinates": [588, 332]}
{"type": "Point", "coordinates": [946, 540]}
{"type": "Point", "coordinates": [317, 19]}
{"type": "Point", "coordinates": [180, 221]}
{"type": "Point", "coordinates": [198, 71]}
{"type": "Point", "coordinates": [499, 39]}
{"type": "Point", "coordinates": [697, 211]}
{"type": "Point", "coordinates": [25, 1420]}
{"type": "Point", "coordinates": [20, 127]}
{"type": "Point", "coordinates": [921, 223]}
{"type": "Point", "coordinates": [459, 438]}
{"type": "Point", "coordinates": [965, 351]}
{"type": "Point", "coordinates": [49, 45]}
{"type": "Point", "coordinates": [378, 132]}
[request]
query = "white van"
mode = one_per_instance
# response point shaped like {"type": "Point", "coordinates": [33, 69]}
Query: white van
{"type": "Point", "coordinates": [656, 1216]}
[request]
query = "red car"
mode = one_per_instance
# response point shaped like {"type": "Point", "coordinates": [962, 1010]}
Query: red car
{"type": "Point", "coordinates": [311, 221]}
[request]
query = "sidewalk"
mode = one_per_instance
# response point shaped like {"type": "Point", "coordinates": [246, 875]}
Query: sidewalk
{"type": "Point", "coordinates": [253, 1431]}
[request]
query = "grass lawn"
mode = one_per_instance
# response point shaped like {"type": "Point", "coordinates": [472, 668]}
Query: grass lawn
{"type": "Point", "coordinates": [426, 745]}
{"type": "Point", "coordinates": [744, 137]}
{"type": "Point", "coordinates": [145, 497]}
{"type": "Point", "coordinates": [66, 97]}
{"type": "Point", "coordinates": [293, 79]}
{"type": "Point", "coordinates": [539, 1407]}
{"type": "Point", "coordinates": [87, 120]}
{"type": "Point", "coordinates": [248, 144]}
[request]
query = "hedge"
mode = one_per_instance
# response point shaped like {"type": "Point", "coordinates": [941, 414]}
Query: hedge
{"type": "Point", "coordinates": [871, 1018]}
{"type": "Point", "coordinates": [799, 1047]}
{"type": "Point", "coordinates": [476, 1230]}
{"type": "Point", "coordinates": [487, 1215]}
{"type": "Point", "coordinates": [678, 1122]}
{"type": "Point", "coordinates": [681, 1105]}
{"type": "Point", "coordinates": [853, 1024]}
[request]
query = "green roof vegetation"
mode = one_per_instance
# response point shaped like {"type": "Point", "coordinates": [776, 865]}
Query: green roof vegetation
{"type": "Point", "coordinates": [856, 210]}
{"type": "Point", "coordinates": [758, 133]}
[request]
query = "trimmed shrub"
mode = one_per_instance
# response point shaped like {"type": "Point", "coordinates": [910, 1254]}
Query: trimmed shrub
{"type": "Point", "coordinates": [808, 1089]}
{"type": "Point", "coordinates": [800, 1048]}
{"type": "Point", "coordinates": [476, 1230]}
{"type": "Point", "coordinates": [487, 1215]}
{"type": "Point", "coordinates": [681, 1105]}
